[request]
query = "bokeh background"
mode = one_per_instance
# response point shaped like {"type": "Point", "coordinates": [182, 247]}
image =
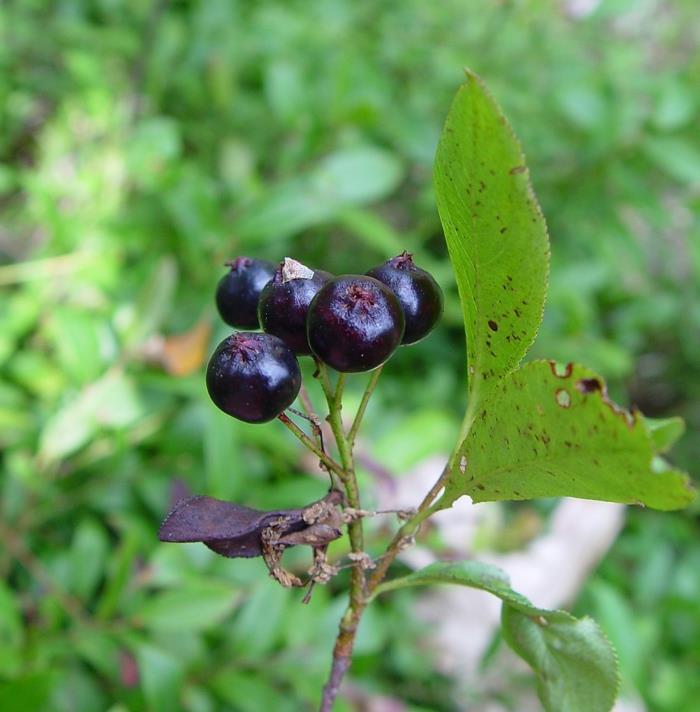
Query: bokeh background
{"type": "Point", "coordinates": [144, 143]}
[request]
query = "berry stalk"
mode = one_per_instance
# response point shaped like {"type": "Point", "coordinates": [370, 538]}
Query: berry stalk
{"type": "Point", "coordinates": [352, 434]}
{"type": "Point", "coordinates": [311, 445]}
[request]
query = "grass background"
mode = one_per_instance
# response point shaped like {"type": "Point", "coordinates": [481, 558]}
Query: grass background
{"type": "Point", "coordinates": [144, 143]}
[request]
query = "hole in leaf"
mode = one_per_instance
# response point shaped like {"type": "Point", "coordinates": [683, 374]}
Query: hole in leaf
{"type": "Point", "coordinates": [561, 370]}
{"type": "Point", "coordinates": [563, 398]}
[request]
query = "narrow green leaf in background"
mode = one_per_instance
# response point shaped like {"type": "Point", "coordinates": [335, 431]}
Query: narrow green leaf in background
{"type": "Point", "coordinates": [28, 693]}
{"type": "Point", "coordinates": [89, 554]}
{"type": "Point", "coordinates": [160, 674]}
{"type": "Point", "coordinates": [350, 177]}
{"type": "Point", "coordinates": [495, 234]}
{"type": "Point", "coordinates": [575, 664]}
{"type": "Point", "coordinates": [11, 632]}
{"type": "Point", "coordinates": [111, 402]}
{"type": "Point", "coordinates": [665, 432]}
{"type": "Point", "coordinates": [544, 432]}
{"type": "Point", "coordinates": [194, 606]}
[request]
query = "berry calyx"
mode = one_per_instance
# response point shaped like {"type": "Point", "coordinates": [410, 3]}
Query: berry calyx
{"type": "Point", "coordinates": [238, 291]}
{"type": "Point", "coordinates": [417, 291]}
{"type": "Point", "coordinates": [253, 377]}
{"type": "Point", "coordinates": [354, 323]}
{"type": "Point", "coordinates": [284, 303]}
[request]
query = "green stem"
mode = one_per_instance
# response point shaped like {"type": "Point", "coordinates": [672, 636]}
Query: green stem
{"type": "Point", "coordinates": [335, 408]}
{"type": "Point", "coordinates": [362, 589]}
{"type": "Point", "coordinates": [322, 375]}
{"type": "Point", "coordinates": [371, 385]}
{"type": "Point", "coordinates": [338, 393]}
{"type": "Point", "coordinates": [301, 435]}
{"type": "Point", "coordinates": [406, 533]}
{"type": "Point", "coordinates": [342, 651]}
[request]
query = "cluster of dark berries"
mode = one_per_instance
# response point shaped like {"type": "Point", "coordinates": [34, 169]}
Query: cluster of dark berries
{"type": "Point", "coordinates": [352, 323]}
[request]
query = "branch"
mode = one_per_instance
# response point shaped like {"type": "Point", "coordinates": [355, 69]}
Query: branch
{"type": "Point", "coordinates": [342, 651]}
{"type": "Point", "coordinates": [301, 435]}
{"type": "Point", "coordinates": [371, 385]}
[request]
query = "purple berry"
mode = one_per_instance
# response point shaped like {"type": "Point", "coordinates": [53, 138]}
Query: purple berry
{"type": "Point", "coordinates": [284, 303]}
{"type": "Point", "coordinates": [238, 291]}
{"type": "Point", "coordinates": [354, 323]}
{"type": "Point", "coordinates": [417, 291]}
{"type": "Point", "coordinates": [253, 377]}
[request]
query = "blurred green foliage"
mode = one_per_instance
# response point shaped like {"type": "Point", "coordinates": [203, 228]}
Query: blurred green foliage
{"type": "Point", "coordinates": [141, 145]}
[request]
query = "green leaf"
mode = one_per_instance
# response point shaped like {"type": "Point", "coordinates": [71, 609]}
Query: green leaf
{"type": "Point", "coordinates": [356, 176]}
{"type": "Point", "coordinates": [11, 631]}
{"type": "Point", "coordinates": [665, 431]}
{"type": "Point", "coordinates": [121, 568]}
{"type": "Point", "coordinates": [194, 606]}
{"type": "Point", "coordinates": [548, 432]}
{"type": "Point", "coordinates": [248, 692]}
{"type": "Point", "coordinates": [161, 676]}
{"type": "Point", "coordinates": [575, 664]}
{"type": "Point", "coordinates": [28, 693]}
{"type": "Point", "coordinates": [259, 624]}
{"type": "Point", "coordinates": [99, 648]}
{"type": "Point", "coordinates": [475, 574]}
{"type": "Point", "coordinates": [351, 177]}
{"type": "Point", "coordinates": [88, 557]}
{"type": "Point", "coordinates": [112, 402]}
{"type": "Point", "coordinates": [676, 156]}
{"type": "Point", "coordinates": [153, 304]}
{"type": "Point", "coordinates": [495, 234]}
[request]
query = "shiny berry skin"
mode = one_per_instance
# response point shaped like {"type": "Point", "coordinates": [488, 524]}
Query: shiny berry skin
{"type": "Point", "coordinates": [354, 323]}
{"type": "Point", "coordinates": [253, 377]}
{"type": "Point", "coordinates": [285, 301]}
{"type": "Point", "coordinates": [238, 291]}
{"type": "Point", "coordinates": [420, 295]}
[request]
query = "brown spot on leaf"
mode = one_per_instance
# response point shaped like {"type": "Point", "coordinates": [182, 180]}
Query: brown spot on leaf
{"type": "Point", "coordinates": [589, 385]}
{"type": "Point", "coordinates": [517, 169]}
{"type": "Point", "coordinates": [493, 325]}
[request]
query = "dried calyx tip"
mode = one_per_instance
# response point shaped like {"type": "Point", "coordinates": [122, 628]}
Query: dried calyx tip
{"type": "Point", "coordinates": [291, 269]}
{"type": "Point", "coordinates": [403, 261]}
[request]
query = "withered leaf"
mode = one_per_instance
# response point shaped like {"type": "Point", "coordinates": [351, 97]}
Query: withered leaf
{"type": "Point", "coordinates": [226, 528]}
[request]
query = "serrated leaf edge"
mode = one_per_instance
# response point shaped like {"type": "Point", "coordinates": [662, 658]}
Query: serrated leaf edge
{"type": "Point", "coordinates": [632, 418]}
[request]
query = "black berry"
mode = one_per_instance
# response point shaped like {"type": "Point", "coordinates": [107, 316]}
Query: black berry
{"type": "Point", "coordinates": [420, 295]}
{"type": "Point", "coordinates": [253, 377]}
{"type": "Point", "coordinates": [354, 323]}
{"type": "Point", "coordinates": [238, 291]}
{"type": "Point", "coordinates": [284, 303]}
